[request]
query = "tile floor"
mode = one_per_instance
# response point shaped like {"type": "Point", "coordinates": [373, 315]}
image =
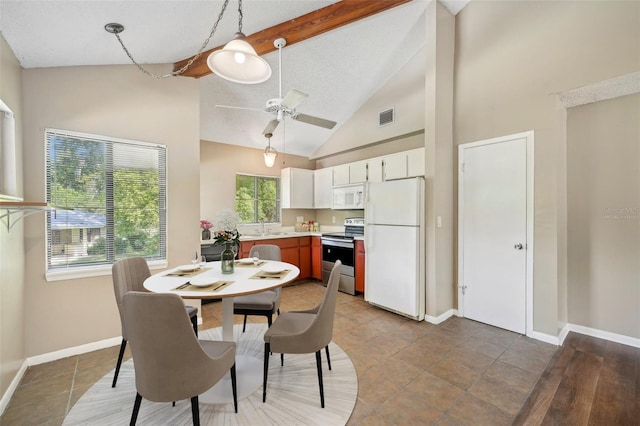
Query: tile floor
{"type": "Point", "coordinates": [457, 373]}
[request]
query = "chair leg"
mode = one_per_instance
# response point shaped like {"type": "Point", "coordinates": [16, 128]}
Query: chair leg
{"type": "Point", "coordinates": [281, 360]}
{"type": "Point", "coordinates": [194, 321]}
{"type": "Point", "coordinates": [265, 371]}
{"type": "Point", "coordinates": [123, 345]}
{"type": "Point", "coordinates": [195, 411]}
{"type": "Point", "coordinates": [244, 323]}
{"type": "Point", "coordinates": [319, 365]}
{"type": "Point", "coordinates": [136, 408]}
{"type": "Point", "coordinates": [234, 387]}
{"type": "Point", "coordinates": [326, 349]}
{"type": "Point", "coordinates": [269, 320]}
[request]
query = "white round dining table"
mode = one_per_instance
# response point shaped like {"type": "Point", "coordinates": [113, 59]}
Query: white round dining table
{"type": "Point", "coordinates": [168, 282]}
{"type": "Point", "coordinates": [242, 281]}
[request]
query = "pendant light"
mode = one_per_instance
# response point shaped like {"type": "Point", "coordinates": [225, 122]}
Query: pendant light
{"type": "Point", "coordinates": [238, 60]}
{"type": "Point", "coordinates": [270, 153]}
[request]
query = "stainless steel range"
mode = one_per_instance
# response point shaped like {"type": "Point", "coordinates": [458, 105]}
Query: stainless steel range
{"type": "Point", "coordinates": [341, 246]}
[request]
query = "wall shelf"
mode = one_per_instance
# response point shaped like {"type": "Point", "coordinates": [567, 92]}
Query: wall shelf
{"type": "Point", "coordinates": [25, 208]}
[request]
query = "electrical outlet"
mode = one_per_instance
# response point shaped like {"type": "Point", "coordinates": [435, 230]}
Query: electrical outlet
{"type": "Point", "coordinates": [333, 219]}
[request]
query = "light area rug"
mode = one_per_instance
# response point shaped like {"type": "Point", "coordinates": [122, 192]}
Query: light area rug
{"type": "Point", "coordinates": [293, 396]}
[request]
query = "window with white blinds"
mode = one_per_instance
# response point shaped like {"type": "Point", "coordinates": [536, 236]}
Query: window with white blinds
{"type": "Point", "coordinates": [110, 197]}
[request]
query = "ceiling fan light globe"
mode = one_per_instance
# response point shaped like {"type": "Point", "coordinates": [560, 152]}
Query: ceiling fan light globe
{"type": "Point", "coordinates": [270, 155]}
{"type": "Point", "coordinates": [239, 62]}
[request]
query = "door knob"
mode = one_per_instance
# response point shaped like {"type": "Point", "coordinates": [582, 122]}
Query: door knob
{"type": "Point", "coordinates": [518, 247]}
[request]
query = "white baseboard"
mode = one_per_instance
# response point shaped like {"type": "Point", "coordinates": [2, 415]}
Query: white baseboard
{"type": "Point", "coordinates": [440, 318]}
{"type": "Point", "coordinates": [563, 333]}
{"type": "Point", "coordinates": [4, 402]}
{"type": "Point", "coordinates": [547, 338]}
{"type": "Point", "coordinates": [76, 350]}
{"type": "Point", "coordinates": [606, 335]}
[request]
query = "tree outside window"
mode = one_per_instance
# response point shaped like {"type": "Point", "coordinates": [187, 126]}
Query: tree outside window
{"type": "Point", "coordinates": [258, 198]}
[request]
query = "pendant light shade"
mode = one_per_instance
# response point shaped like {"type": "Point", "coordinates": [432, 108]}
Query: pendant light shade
{"type": "Point", "coordinates": [270, 155]}
{"type": "Point", "coordinates": [239, 62]}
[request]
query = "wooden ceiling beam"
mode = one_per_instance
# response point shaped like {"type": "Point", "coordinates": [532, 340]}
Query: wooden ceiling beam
{"type": "Point", "coordinates": [299, 29]}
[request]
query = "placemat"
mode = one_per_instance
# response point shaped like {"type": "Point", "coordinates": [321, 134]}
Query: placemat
{"type": "Point", "coordinates": [186, 273]}
{"type": "Point", "coordinates": [271, 276]}
{"type": "Point", "coordinates": [216, 286]}
{"type": "Point", "coordinates": [250, 265]}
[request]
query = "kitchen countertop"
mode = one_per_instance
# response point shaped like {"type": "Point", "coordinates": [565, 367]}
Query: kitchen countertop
{"type": "Point", "coordinates": [284, 233]}
{"type": "Point", "coordinates": [278, 235]}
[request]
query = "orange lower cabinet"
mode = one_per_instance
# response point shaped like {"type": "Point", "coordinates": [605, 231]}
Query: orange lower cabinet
{"type": "Point", "coordinates": [316, 258]}
{"type": "Point", "coordinates": [359, 266]}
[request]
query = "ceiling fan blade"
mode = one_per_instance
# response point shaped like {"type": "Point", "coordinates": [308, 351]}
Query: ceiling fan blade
{"type": "Point", "coordinates": [271, 126]}
{"type": "Point", "coordinates": [237, 107]}
{"type": "Point", "coordinates": [316, 121]}
{"type": "Point", "coordinates": [293, 99]}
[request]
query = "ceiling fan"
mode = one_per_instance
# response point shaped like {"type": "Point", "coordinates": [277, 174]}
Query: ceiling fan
{"type": "Point", "coordinates": [286, 107]}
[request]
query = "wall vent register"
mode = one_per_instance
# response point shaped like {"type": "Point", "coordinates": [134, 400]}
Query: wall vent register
{"type": "Point", "coordinates": [386, 117]}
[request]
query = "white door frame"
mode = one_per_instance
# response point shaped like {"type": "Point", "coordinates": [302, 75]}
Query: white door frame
{"type": "Point", "coordinates": [530, 211]}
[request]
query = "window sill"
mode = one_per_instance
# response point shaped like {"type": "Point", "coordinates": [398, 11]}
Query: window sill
{"type": "Point", "coordinates": [92, 271]}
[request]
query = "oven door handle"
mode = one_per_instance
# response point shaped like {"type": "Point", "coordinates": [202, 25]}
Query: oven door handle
{"type": "Point", "coordinates": [337, 243]}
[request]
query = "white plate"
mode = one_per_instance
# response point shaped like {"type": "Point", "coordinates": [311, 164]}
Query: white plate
{"type": "Point", "coordinates": [272, 269]}
{"type": "Point", "coordinates": [202, 281]}
{"type": "Point", "coordinates": [187, 268]}
{"type": "Point", "coordinates": [246, 261]}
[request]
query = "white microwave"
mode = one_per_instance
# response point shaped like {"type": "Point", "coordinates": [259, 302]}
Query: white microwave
{"type": "Point", "coordinates": [350, 197]}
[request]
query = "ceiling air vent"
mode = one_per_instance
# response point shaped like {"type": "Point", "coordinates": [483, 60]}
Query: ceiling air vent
{"type": "Point", "coordinates": [385, 117]}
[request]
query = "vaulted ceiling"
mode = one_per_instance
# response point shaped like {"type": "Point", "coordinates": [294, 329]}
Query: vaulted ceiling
{"type": "Point", "coordinates": [339, 69]}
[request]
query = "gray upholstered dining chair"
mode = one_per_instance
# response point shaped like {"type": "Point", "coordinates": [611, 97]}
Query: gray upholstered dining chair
{"type": "Point", "coordinates": [302, 332]}
{"type": "Point", "coordinates": [129, 275]}
{"type": "Point", "coordinates": [265, 303]}
{"type": "Point", "coordinates": [170, 363]}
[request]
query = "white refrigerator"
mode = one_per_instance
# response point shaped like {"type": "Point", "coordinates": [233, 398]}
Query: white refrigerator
{"type": "Point", "coordinates": [394, 238]}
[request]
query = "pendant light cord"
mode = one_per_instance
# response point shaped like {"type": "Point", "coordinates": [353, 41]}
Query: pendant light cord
{"type": "Point", "coordinates": [196, 56]}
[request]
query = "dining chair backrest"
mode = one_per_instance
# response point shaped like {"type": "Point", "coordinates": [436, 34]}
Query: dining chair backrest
{"type": "Point", "coordinates": [320, 331]}
{"type": "Point", "coordinates": [170, 364]}
{"type": "Point", "coordinates": [128, 275]}
{"type": "Point", "coordinates": [266, 252]}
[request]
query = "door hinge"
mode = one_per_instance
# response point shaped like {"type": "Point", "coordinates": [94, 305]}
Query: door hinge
{"type": "Point", "coordinates": [464, 288]}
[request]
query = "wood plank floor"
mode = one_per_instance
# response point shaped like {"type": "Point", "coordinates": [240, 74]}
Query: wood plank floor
{"type": "Point", "coordinates": [589, 381]}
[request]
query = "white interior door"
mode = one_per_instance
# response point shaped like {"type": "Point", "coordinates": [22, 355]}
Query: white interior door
{"type": "Point", "coordinates": [493, 232]}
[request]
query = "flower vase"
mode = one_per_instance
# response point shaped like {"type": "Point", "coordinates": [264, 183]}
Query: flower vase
{"type": "Point", "coordinates": [206, 234]}
{"type": "Point", "coordinates": [227, 257]}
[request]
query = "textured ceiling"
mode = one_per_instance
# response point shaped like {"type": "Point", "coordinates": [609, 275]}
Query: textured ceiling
{"type": "Point", "coordinates": [339, 70]}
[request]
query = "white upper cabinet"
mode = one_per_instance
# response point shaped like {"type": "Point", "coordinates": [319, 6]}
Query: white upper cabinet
{"type": "Point", "coordinates": [402, 165]}
{"type": "Point", "coordinates": [322, 188]}
{"type": "Point", "coordinates": [358, 172]}
{"type": "Point", "coordinates": [341, 175]}
{"type": "Point", "coordinates": [415, 162]}
{"type": "Point", "coordinates": [296, 188]}
{"type": "Point", "coordinates": [374, 170]}
{"type": "Point", "coordinates": [395, 166]}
